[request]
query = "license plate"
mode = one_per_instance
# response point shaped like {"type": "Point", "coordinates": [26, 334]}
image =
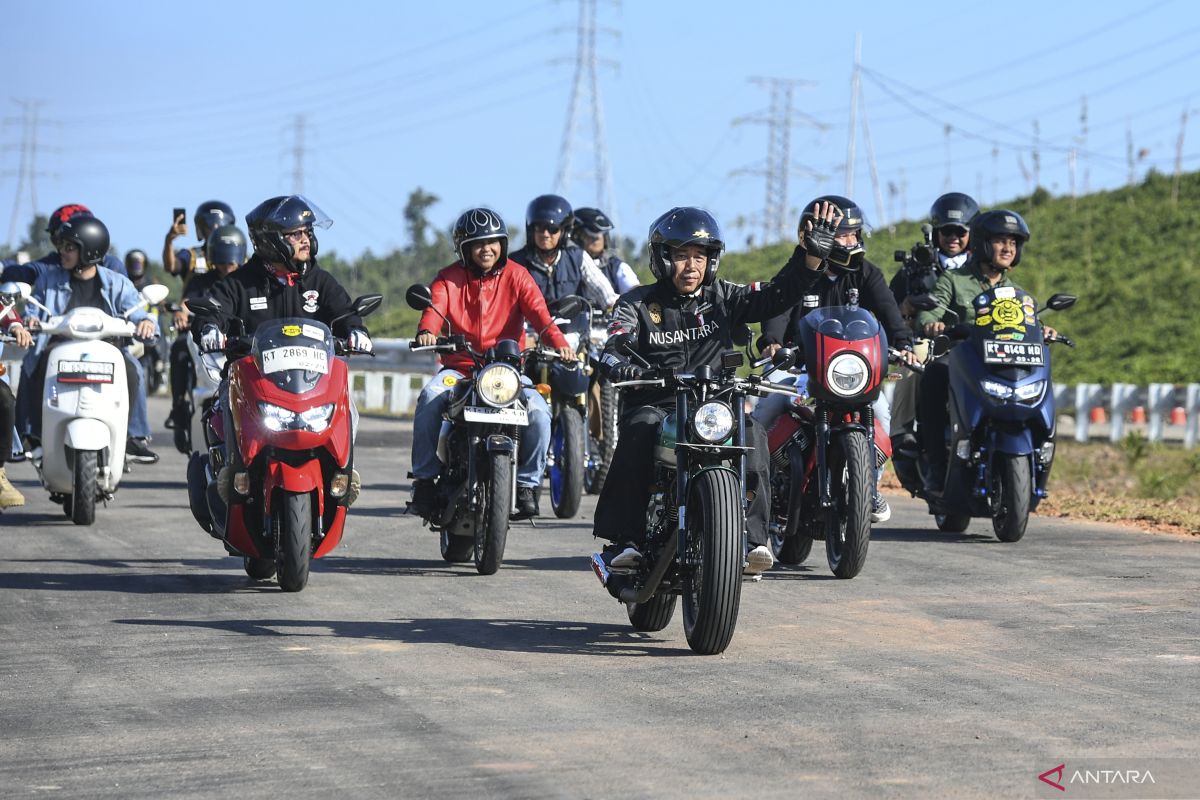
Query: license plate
{"type": "Point", "coordinates": [86, 371]}
{"type": "Point", "coordinates": [308, 359]}
{"type": "Point", "coordinates": [1018, 354]}
{"type": "Point", "coordinates": [496, 416]}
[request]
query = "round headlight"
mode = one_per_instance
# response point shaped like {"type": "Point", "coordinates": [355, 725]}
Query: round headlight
{"type": "Point", "coordinates": [847, 374]}
{"type": "Point", "coordinates": [498, 384]}
{"type": "Point", "coordinates": [713, 422]}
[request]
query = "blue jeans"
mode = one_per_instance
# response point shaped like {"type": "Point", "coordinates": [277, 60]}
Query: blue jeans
{"type": "Point", "coordinates": [770, 407]}
{"type": "Point", "coordinates": [427, 424]}
{"type": "Point", "coordinates": [139, 419]}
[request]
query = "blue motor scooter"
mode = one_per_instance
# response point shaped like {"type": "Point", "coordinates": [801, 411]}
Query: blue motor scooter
{"type": "Point", "coordinates": [1002, 416]}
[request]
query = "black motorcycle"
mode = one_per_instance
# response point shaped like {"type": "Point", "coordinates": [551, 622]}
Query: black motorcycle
{"type": "Point", "coordinates": [478, 446]}
{"type": "Point", "coordinates": [603, 410]}
{"type": "Point", "coordinates": [696, 517]}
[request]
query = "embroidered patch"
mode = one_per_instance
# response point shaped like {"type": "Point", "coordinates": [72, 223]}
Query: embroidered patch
{"type": "Point", "coordinates": [655, 311]}
{"type": "Point", "coordinates": [449, 380]}
{"type": "Point", "coordinates": [310, 300]}
{"type": "Point", "coordinates": [258, 303]}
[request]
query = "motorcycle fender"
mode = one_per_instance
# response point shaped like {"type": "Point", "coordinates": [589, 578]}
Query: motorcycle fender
{"type": "Point", "coordinates": [1017, 443]}
{"type": "Point", "coordinates": [304, 478]}
{"type": "Point", "coordinates": [88, 434]}
{"type": "Point", "coordinates": [498, 443]}
{"type": "Point", "coordinates": [333, 536]}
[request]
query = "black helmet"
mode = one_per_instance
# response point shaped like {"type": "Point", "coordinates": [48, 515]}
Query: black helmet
{"type": "Point", "coordinates": [549, 209]}
{"type": "Point", "coordinates": [953, 208]}
{"type": "Point", "coordinates": [91, 236]}
{"type": "Point", "coordinates": [225, 245]}
{"type": "Point", "coordinates": [681, 226]}
{"type": "Point", "coordinates": [842, 258]}
{"type": "Point", "coordinates": [136, 263]}
{"type": "Point", "coordinates": [476, 224]}
{"type": "Point", "coordinates": [272, 218]}
{"type": "Point", "coordinates": [997, 223]}
{"type": "Point", "coordinates": [61, 215]}
{"type": "Point", "coordinates": [591, 221]}
{"type": "Point", "coordinates": [212, 215]}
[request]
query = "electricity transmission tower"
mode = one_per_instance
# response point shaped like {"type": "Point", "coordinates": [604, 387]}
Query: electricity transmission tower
{"type": "Point", "coordinates": [779, 119]}
{"type": "Point", "coordinates": [298, 152]}
{"type": "Point", "coordinates": [27, 169]}
{"type": "Point", "coordinates": [585, 102]}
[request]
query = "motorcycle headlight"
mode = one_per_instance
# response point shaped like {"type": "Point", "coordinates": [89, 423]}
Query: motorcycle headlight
{"type": "Point", "coordinates": [713, 422]}
{"type": "Point", "coordinates": [498, 384]}
{"type": "Point", "coordinates": [847, 374]}
{"type": "Point", "coordinates": [86, 323]}
{"type": "Point", "coordinates": [997, 390]}
{"type": "Point", "coordinates": [1030, 392]}
{"type": "Point", "coordinates": [315, 419]}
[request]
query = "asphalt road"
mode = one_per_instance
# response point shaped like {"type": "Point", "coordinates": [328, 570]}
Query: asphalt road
{"type": "Point", "coordinates": [139, 661]}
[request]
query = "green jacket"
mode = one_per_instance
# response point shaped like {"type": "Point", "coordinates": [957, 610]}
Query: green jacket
{"type": "Point", "coordinates": [956, 290]}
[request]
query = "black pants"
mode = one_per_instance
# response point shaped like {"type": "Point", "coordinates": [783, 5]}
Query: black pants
{"type": "Point", "coordinates": [37, 383]}
{"type": "Point", "coordinates": [182, 377]}
{"type": "Point", "coordinates": [933, 412]}
{"type": "Point", "coordinates": [621, 509]}
{"type": "Point", "coordinates": [8, 417]}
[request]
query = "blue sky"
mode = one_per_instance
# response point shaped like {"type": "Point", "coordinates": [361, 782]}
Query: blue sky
{"type": "Point", "coordinates": [147, 106]}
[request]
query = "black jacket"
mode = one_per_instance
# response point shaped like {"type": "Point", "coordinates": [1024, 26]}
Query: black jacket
{"type": "Point", "coordinates": [255, 296]}
{"type": "Point", "coordinates": [819, 291]}
{"type": "Point", "coordinates": [683, 332]}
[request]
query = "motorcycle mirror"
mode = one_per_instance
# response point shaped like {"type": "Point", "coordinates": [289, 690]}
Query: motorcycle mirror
{"type": "Point", "coordinates": [418, 297]}
{"type": "Point", "coordinates": [923, 302]}
{"type": "Point", "coordinates": [1060, 301]}
{"type": "Point", "coordinates": [154, 293]}
{"type": "Point", "coordinates": [784, 358]}
{"type": "Point", "coordinates": [567, 306]}
{"type": "Point", "coordinates": [622, 343]}
{"type": "Point", "coordinates": [17, 290]}
{"type": "Point", "coordinates": [950, 317]}
{"type": "Point", "coordinates": [367, 304]}
{"type": "Point", "coordinates": [203, 305]}
{"type": "Point", "coordinates": [941, 343]}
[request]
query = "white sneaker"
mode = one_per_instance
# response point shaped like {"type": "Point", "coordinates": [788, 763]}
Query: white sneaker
{"type": "Point", "coordinates": [758, 560]}
{"type": "Point", "coordinates": [626, 559]}
{"type": "Point", "coordinates": [880, 510]}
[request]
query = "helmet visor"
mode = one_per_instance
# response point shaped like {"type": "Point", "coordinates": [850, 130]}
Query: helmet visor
{"type": "Point", "coordinates": [295, 211]}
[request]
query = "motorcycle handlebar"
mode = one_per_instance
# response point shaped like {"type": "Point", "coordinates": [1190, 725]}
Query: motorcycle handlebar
{"type": "Point", "coordinates": [896, 357]}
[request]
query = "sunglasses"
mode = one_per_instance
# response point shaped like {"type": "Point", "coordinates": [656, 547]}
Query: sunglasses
{"type": "Point", "coordinates": [544, 228]}
{"type": "Point", "coordinates": [955, 231]}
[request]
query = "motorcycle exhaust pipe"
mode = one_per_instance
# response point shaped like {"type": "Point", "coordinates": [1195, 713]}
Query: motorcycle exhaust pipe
{"type": "Point", "coordinates": [631, 595]}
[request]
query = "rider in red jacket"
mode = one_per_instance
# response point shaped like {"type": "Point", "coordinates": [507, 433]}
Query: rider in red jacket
{"type": "Point", "coordinates": [486, 298]}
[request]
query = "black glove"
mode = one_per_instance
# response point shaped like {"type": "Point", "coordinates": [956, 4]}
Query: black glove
{"type": "Point", "coordinates": [628, 372]}
{"type": "Point", "coordinates": [819, 241]}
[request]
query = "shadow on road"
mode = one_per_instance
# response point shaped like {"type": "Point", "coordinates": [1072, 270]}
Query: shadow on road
{"type": "Point", "coordinates": [437, 567]}
{"type": "Point", "coordinates": [933, 535]}
{"type": "Point", "coordinates": [519, 635]}
{"type": "Point", "coordinates": [138, 576]}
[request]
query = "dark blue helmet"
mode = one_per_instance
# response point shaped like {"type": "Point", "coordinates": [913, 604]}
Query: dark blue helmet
{"type": "Point", "coordinates": [550, 209]}
{"type": "Point", "coordinates": [1000, 222]}
{"type": "Point", "coordinates": [271, 219]}
{"type": "Point", "coordinates": [211, 215]}
{"type": "Point", "coordinates": [225, 245]}
{"type": "Point", "coordinates": [679, 227]}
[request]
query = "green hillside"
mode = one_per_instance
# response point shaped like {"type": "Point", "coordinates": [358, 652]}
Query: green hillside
{"type": "Point", "coordinates": [1131, 255]}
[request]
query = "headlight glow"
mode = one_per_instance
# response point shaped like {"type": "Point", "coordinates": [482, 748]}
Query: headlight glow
{"type": "Point", "coordinates": [713, 422]}
{"type": "Point", "coordinates": [997, 390]}
{"type": "Point", "coordinates": [498, 384]}
{"type": "Point", "coordinates": [315, 419]}
{"type": "Point", "coordinates": [847, 374]}
{"type": "Point", "coordinates": [1030, 392]}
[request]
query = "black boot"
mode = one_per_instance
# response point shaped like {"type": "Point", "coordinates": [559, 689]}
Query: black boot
{"type": "Point", "coordinates": [527, 503]}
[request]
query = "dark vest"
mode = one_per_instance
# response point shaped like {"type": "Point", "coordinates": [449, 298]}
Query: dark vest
{"type": "Point", "coordinates": [564, 278]}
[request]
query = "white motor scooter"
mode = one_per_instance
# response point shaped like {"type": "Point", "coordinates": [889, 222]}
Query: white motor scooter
{"type": "Point", "coordinates": [85, 407]}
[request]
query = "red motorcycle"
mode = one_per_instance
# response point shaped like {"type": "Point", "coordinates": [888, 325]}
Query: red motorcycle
{"type": "Point", "coordinates": [824, 452]}
{"type": "Point", "coordinates": [278, 497]}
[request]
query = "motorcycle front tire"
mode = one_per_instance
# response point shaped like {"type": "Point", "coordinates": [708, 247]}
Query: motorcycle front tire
{"type": "Point", "coordinates": [83, 488]}
{"type": "Point", "coordinates": [292, 520]}
{"type": "Point", "coordinates": [566, 473]}
{"type": "Point", "coordinates": [491, 521]}
{"type": "Point", "coordinates": [712, 591]}
{"type": "Point", "coordinates": [1011, 493]}
{"type": "Point", "coordinates": [848, 521]}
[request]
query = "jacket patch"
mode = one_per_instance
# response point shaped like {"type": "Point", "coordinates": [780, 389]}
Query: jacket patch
{"type": "Point", "coordinates": [684, 335]}
{"type": "Point", "coordinates": [655, 312]}
{"type": "Point", "coordinates": [258, 303]}
{"type": "Point", "coordinates": [310, 300]}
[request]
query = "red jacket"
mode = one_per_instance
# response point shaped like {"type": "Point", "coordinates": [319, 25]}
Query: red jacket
{"type": "Point", "coordinates": [487, 308]}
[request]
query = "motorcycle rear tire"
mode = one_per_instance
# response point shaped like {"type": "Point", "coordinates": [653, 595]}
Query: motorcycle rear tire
{"type": "Point", "coordinates": [83, 488]}
{"type": "Point", "coordinates": [1012, 490]}
{"type": "Point", "coordinates": [652, 615]}
{"type": "Point", "coordinates": [260, 569]}
{"type": "Point", "coordinates": [603, 447]}
{"type": "Point", "coordinates": [952, 523]}
{"type": "Point", "coordinates": [712, 591]}
{"type": "Point", "coordinates": [456, 549]}
{"type": "Point", "coordinates": [292, 520]}
{"type": "Point", "coordinates": [491, 521]}
{"type": "Point", "coordinates": [566, 474]}
{"type": "Point", "coordinates": [792, 545]}
{"type": "Point", "coordinates": [848, 521]}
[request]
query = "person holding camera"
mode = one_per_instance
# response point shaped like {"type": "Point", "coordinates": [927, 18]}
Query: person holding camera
{"type": "Point", "coordinates": [946, 247]}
